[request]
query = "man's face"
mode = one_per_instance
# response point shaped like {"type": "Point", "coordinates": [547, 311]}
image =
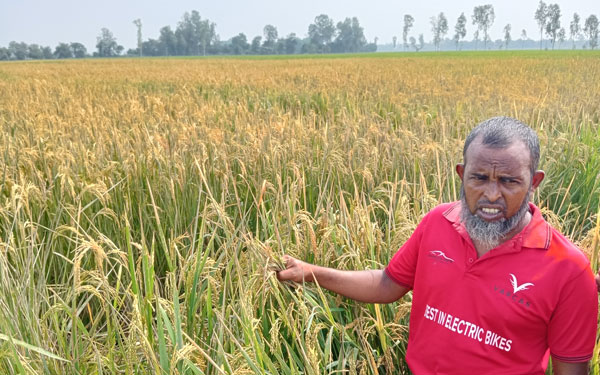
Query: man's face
{"type": "Point", "coordinates": [496, 184]}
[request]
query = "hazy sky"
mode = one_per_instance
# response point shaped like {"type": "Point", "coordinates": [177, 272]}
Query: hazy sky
{"type": "Point", "coordinates": [48, 22]}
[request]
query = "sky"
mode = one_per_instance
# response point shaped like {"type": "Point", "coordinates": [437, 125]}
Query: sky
{"type": "Point", "coordinates": [49, 22]}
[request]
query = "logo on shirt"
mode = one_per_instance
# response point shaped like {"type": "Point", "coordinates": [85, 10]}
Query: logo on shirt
{"type": "Point", "coordinates": [441, 256]}
{"type": "Point", "coordinates": [514, 297]}
{"type": "Point", "coordinates": [516, 286]}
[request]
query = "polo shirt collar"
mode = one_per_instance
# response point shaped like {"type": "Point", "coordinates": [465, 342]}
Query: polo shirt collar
{"type": "Point", "coordinates": [537, 234]}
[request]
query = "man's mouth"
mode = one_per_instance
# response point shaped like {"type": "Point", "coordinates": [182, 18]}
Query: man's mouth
{"type": "Point", "coordinates": [490, 213]}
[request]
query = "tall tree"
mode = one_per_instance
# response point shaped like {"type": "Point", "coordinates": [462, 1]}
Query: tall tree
{"type": "Point", "coordinates": [483, 17]}
{"type": "Point", "coordinates": [575, 28]}
{"type": "Point", "coordinates": [439, 27]}
{"type": "Point", "coordinates": [321, 32]}
{"type": "Point", "coordinates": [408, 24]}
{"type": "Point", "coordinates": [195, 34]}
{"type": "Point", "coordinates": [507, 37]}
{"type": "Point", "coordinates": [541, 17]}
{"type": "Point", "coordinates": [168, 41]}
{"type": "Point", "coordinates": [590, 29]}
{"type": "Point", "coordinates": [460, 30]}
{"type": "Point", "coordinates": [350, 36]}
{"type": "Point", "coordinates": [107, 44]}
{"type": "Point", "coordinates": [138, 25]}
{"type": "Point", "coordinates": [270, 34]}
{"type": "Point", "coordinates": [394, 41]}
{"type": "Point", "coordinates": [553, 22]}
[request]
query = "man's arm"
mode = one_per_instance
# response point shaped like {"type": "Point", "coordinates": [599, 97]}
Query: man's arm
{"type": "Point", "coordinates": [566, 368]}
{"type": "Point", "coordinates": [370, 286]}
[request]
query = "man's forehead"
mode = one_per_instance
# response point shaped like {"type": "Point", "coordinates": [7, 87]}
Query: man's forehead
{"type": "Point", "coordinates": [511, 155]}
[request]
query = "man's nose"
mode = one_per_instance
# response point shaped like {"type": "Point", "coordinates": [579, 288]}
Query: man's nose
{"type": "Point", "coordinates": [492, 192]}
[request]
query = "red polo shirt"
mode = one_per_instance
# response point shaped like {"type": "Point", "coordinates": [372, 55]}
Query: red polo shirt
{"type": "Point", "coordinates": [498, 314]}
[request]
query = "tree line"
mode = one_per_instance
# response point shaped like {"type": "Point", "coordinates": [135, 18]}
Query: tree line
{"type": "Point", "coordinates": [195, 36]}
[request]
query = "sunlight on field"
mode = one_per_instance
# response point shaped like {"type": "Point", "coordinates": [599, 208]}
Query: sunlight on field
{"type": "Point", "coordinates": [145, 203]}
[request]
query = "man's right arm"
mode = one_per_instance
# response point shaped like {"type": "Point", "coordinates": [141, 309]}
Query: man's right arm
{"type": "Point", "coordinates": [369, 286]}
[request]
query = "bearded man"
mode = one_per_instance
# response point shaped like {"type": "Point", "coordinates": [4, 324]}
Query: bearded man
{"type": "Point", "coordinates": [496, 289]}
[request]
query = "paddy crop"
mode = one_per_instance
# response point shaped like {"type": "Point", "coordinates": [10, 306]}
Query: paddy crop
{"type": "Point", "coordinates": [146, 203]}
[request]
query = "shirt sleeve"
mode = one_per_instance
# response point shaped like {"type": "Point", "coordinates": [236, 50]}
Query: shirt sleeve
{"type": "Point", "coordinates": [572, 327]}
{"type": "Point", "coordinates": [402, 267]}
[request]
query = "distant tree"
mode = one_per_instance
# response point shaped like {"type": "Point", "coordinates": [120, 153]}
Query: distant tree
{"type": "Point", "coordinates": [439, 27]}
{"type": "Point", "coordinates": [523, 37]}
{"type": "Point", "coordinates": [18, 51]}
{"type": "Point", "coordinates": [79, 51]}
{"type": "Point", "coordinates": [34, 52]}
{"type": "Point", "coordinates": [408, 24]}
{"type": "Point", "coordinates": [239, 44]}
{"type": "Point", "coordinates": [47, 51]}
{"type": "Point", "coordinates": [168, 41]}
{"type": "Point", "coordinates": [107, 44]}
{"type": "Point", "coordinates": [507, 37]}
{"type": "Point", "coordinates": [421, 42]}
{"type": "Point", "coordinates": [413, 43]}
{"type": "Point", "coordinates": [4, 53]}
{"type": "Point", "coordinates": [321, 32]}
{"type": "Point", "coordinates": [151, 47]}
{"type": "Point", "coordinates": [483, 17]}
{"type": "Point", "coordinates": [63, 51]}
{"type": "Point", "coordinates": [394, 41]}
{"type": "Point", "coordinates": [270, 34]}
{"type": "Point", "coordinates": [290, 44]}
{"type": "Point", "coordinates": [255, 46]}
{"type": "Point", "coordinates": [476, 38]}
{"type": "Point", "coordinates": [460, 30]}
{"type": "Point", "coordinates": [350, 36]}
{"type": "Point", "coordinates": [590, 29]}
{"type": "Point", "coordinates": [553, 22]}
{"type": "Point", "coordinates": [195, 34]}
{"type": "Point", "coordinates": [575, 28]}
{"type": "Point", "coordinates": [138, 24]}
{"type": "Point", "coordinates": [562, 36]}
{"type": "Point", "coordinates": [541, 17]}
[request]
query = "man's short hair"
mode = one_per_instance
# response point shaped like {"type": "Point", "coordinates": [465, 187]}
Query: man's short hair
{"type": "Point", "coordinates": [501, 132]}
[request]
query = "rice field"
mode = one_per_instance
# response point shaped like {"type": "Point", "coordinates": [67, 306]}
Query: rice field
{"type": "Point", "coordinates": [145, 204]}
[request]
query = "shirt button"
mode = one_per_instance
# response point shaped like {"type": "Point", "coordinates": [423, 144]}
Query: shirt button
{"type": "Point", "coordinates": [470, 260]}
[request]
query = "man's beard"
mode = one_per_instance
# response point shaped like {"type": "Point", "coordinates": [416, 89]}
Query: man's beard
{"type": "Point", "coordinates": [490, 234]}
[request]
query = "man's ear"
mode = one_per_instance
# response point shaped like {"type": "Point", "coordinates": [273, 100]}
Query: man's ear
{"type": "Point", "coordinates": [460, 170]}
{"type": "Point", "coordinates": [538, 176]}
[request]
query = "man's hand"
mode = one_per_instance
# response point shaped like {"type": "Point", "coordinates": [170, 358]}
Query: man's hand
{"type": "Point", "coordinates": [295, 270]}
{"type": "Point", "coordinates": [371, 286]}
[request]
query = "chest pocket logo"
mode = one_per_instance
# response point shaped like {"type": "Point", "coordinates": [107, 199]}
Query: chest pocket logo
{"type": "Point", "coordinates": [440, 254]}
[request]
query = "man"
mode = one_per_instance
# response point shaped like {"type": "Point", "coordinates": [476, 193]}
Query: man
{"type": "Point", "coordinates": [496, 289]}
